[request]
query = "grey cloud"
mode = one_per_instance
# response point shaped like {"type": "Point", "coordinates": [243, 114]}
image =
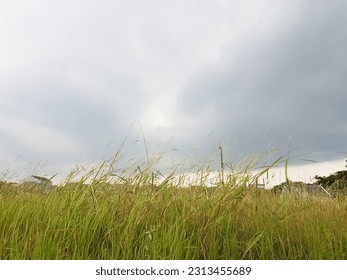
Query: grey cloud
{"type": "Point", "coordinates": [292, 84]}
{"type": "Point", "coordinates": [91, 121]}
{"type": "Point", "coordinates": [88, 71]}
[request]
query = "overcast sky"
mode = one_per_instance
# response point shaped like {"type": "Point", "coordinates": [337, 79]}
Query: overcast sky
{"type": "Point", "coordinates": [78, 76]}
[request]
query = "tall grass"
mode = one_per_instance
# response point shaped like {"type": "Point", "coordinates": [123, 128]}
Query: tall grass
{"type": "Point", "coordinates": [142, 220]}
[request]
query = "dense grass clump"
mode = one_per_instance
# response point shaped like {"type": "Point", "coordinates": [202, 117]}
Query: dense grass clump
{"type": "Point", "coordinates": [101, 221]}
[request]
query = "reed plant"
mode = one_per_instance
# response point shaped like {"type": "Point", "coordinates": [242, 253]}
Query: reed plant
{"type": "Point", "coordinates": [128, 215]}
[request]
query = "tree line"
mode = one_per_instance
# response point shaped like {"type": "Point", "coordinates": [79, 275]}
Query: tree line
{"type": "Point", "coordinates": [335, 181]}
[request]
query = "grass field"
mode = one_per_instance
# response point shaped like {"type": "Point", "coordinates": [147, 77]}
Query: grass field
{"type": "Point", "coordinates": [232, 221]}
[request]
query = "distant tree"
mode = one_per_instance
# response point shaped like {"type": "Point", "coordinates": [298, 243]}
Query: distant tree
{"type": "Point", "coordinates": [278, 188]}
{"type": "Point", "coordinates": [338, 180]}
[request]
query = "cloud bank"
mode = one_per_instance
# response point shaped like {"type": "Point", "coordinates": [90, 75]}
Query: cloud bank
{"type": "Point", "coordinates": [77, 76]}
